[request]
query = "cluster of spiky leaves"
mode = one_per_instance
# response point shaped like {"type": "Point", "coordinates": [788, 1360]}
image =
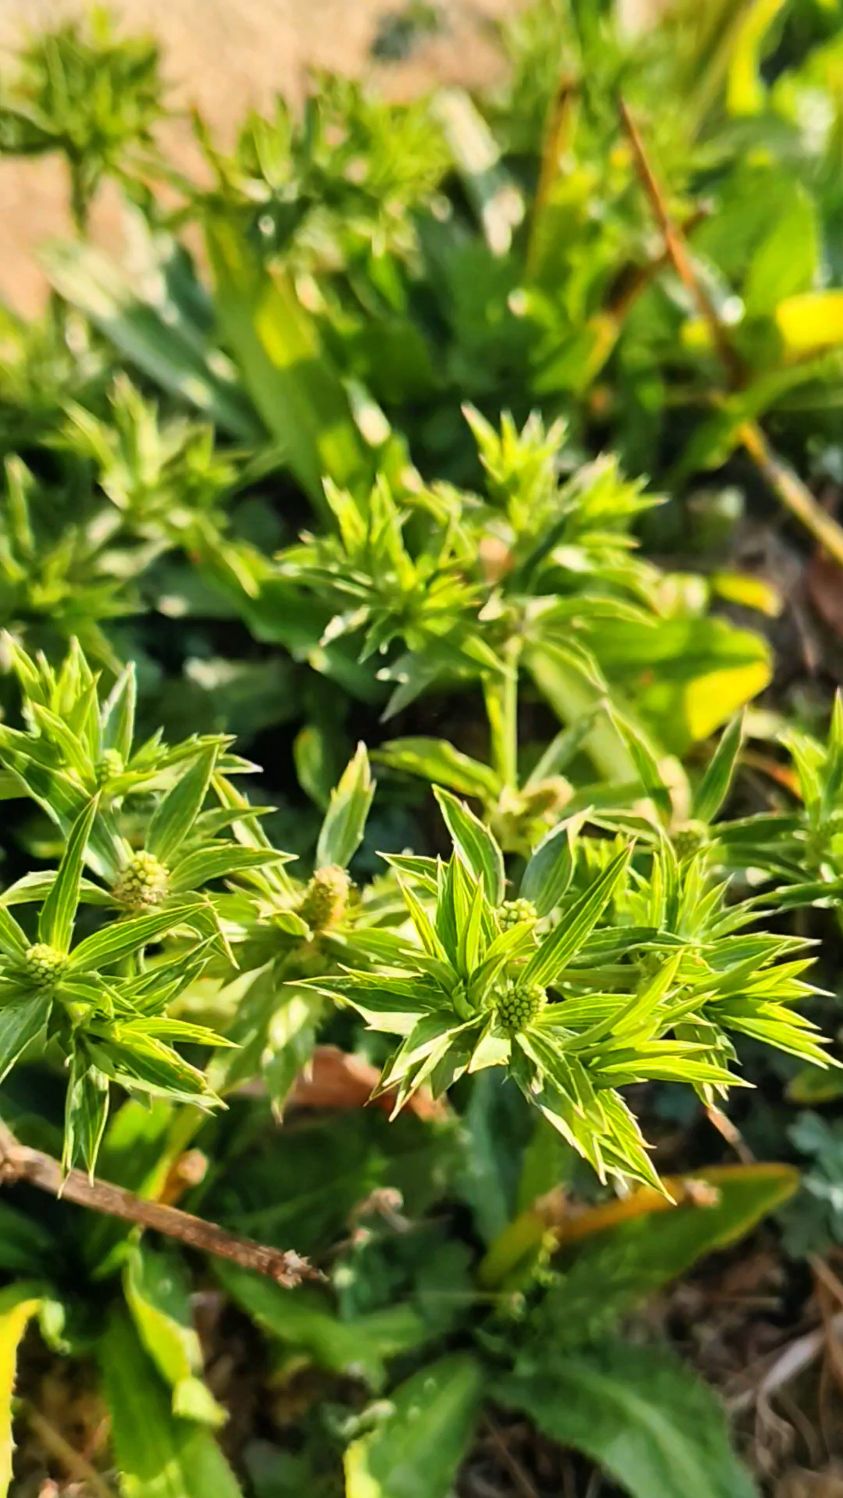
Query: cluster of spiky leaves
{"type": "Point", "coordinates": [85, 93]}
{"type": "Point", "coordinates": [374, 268]}
{"type": "Point", "coordinates": [621, 965]}
{"type": "Point", "coordinates": [609, 963]}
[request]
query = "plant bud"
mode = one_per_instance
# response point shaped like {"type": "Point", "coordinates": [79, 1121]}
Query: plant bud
{"type": "Point", "coordinates": [143, 882]}
{"type": "Point", "coordinates": [517, 1005]}
{"type": "Point", "coordinates": [514, 911]}
{"type": "Point", "coordinates": [44, 965]}
{"type": "Point", "coordinates": [689, 837]}
{"type": "Point", "coordinates": [109, 764]}
{"type": "Point", "coordinates": [325, 900]}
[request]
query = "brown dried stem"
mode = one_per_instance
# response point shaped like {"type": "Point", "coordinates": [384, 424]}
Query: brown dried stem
{"type": "Point", "coordinates": [20, 1163]}
{"type": "Point", "coordinates": [785, 484]}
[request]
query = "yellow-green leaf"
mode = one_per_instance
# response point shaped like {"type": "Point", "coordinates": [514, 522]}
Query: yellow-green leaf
{"type": "Point", "coordinates": [18, 1303]}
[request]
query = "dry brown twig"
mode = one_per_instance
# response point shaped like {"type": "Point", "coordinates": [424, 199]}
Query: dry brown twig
{"type": "Point", "coordinates": [785, 484]}
{"type": "Point", "coordinates": [20, 1163]}
{"type": "Point", "coordinates": [520, 1478]}
{"type": "Point", "coordinates": [75, 1464]}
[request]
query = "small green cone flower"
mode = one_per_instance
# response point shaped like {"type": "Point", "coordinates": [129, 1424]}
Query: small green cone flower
{"type": "Point", "coordinates": [512, 912]}
{"type": "Point", "coordinates": [109, 764]}
{"type": "Point", "coordinates": [548, 797]}
{"type": "Point", "coordinates": [517, 1005]}
{"type": "Point", "coordinates": [325, 900]}
{"type": "Point", "coordinates": [689, 838]}
{"type": "Point", "coordinates": [145, 881]}
{"type": "Point", "coordinates": [44, 965]}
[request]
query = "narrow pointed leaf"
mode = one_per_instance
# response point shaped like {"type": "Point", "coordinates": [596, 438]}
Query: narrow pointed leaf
{"type": "Point", "coordinates": [565, 940]}
{"type": "Point", "coordinates": [122, 937]}
{"type": "Point", "coordinates": [179, 809]}
{"type": "Point", "coordinates": [473, 843]}
{"type": "Point", "coordinates": [345, 820]}
{"type": "Point", "coordinates": [551, 866]}
{"type": "Point", "coordinates": [21, 1020]}
{"type": "Point", "coordinates": [55, 922]}
{"type": "Point", "coordinates": [713, 789]}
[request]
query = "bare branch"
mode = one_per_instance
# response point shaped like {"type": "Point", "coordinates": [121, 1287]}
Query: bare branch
{"type": "Point", "coordinates": [20, 1163]}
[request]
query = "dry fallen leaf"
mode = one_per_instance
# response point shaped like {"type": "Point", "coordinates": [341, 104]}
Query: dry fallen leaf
{"type": "Point", "coordinates": [799, 1483]}
{"type": "Point", "coordinates": [336, 1080]}
{"type": "Point", "coordinates": [824, 581]}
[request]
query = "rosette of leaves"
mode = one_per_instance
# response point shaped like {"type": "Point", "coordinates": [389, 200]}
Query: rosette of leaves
{"type": "Point", "coordinates": [610, 966]}
{"type": "Point", "coordinates": [98, 1001]}
{"type": "Point", "coordinates": [82, 92]}
{"type": "Point", "coordinates": [541, 573]}
{"type": "Point", "coordinates": [153, 837]}
{"type": "Point", "coordinates": [334, 185]}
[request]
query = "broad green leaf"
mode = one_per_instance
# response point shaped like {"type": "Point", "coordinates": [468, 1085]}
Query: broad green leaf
{"type": "Point", "coordinates": [176, 813]}
{"type": "Point", "coordinates": [637, 1412]}
{"type": "Point", "coordinates": [158, 1296]}
{"type": "Point", "coordinates": [305, 1321]}
{"type": "Point", "coordinates": [473, 843]}
{"type": "Point", "coordinates": [18, 1304]}
{"type": "Point", "coordinates": [809, 321]}
{"type": "Point", "coordinates": [345, 820]}
{"type": "Point", "coordinates": [158, 1455]}
{"type": "Point", "coordinates": [57, 915]}
{"type": "Point", "coordinates": [619, 1255]}
{"type": "Point", "coordinates": [285, 369]}
{"type": "Point", "coordinates": [714, 786]}
{"type": "Point", "coordinates": [787, 260]}
{"type": "Point", "coordinates": [417, 1450]}
{"type": "Point", "coordinates": [687, 675]}
{"type": "Point", "coordinates": [439, 762]}
{"type": "Point", "coordinates": [557, 949]}
{"type": "Point", "coordinates": [20, 1021]}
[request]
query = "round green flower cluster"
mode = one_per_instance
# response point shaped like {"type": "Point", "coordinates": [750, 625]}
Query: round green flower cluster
{"type": "Point", "coordinates": [325, 900]}
{"type": "Point", "coordinates": [512, 912]}
{"type": "Point", "coordinates": [689, 838]}
{"type": "Point", "coordinates": [44, 965]}
{"type": "Point", "coordinates": [517, 1005]}
{"type": "Point", "coordinates": [143, 882]}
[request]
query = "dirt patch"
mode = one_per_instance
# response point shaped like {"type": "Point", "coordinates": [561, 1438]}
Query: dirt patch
{"type": "Point", "coordinates": [226, 56]}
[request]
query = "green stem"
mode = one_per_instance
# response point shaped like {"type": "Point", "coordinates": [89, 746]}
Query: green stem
{"type": "Point", "coordinates": [501, 695]}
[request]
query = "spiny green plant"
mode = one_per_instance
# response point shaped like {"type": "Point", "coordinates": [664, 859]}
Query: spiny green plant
{"type": "Point", "coordinates": [83, 93]}
{"type": "Point", "coordinates": [617, 905]}
{"type": "Point", "coordinates": [603, 966]}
